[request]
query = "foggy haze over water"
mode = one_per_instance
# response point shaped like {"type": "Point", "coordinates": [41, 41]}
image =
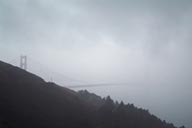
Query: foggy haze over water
{"type": "Point", "coordinates": [145, 43]}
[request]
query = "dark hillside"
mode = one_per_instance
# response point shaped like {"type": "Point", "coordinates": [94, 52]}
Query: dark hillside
{"type": "Point", "coordinates": [112, 114]}
{"type": "Point", "coordinates": [27, 101]}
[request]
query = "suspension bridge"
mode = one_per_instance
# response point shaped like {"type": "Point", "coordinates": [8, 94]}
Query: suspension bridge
{"type": "Point", "coordinates": [28, 63]}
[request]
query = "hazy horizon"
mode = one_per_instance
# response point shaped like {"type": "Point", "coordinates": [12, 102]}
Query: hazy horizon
{"type": "Point", "coordinates": [145, 44]}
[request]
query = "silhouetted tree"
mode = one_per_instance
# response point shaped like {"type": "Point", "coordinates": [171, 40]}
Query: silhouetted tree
{"type": "Point", "coordinates": [182, 126]}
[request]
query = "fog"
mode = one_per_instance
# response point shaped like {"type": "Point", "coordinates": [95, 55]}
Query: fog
{"type": "Point", "coordinates": [142, 46]}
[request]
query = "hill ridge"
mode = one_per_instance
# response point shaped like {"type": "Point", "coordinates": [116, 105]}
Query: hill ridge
{"type": "Point", "coordinates": [27, 101]}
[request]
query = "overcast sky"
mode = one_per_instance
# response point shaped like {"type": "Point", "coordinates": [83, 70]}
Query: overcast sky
{"type": "Point", "coordinates": [144, 43]}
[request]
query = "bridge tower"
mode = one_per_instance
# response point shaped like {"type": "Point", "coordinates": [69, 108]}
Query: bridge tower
{"type": "Point", "coordinates": [23, 62]}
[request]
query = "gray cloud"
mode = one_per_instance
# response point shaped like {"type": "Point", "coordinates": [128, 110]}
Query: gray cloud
{"type": "Point", "coordinates": [143, 42]}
